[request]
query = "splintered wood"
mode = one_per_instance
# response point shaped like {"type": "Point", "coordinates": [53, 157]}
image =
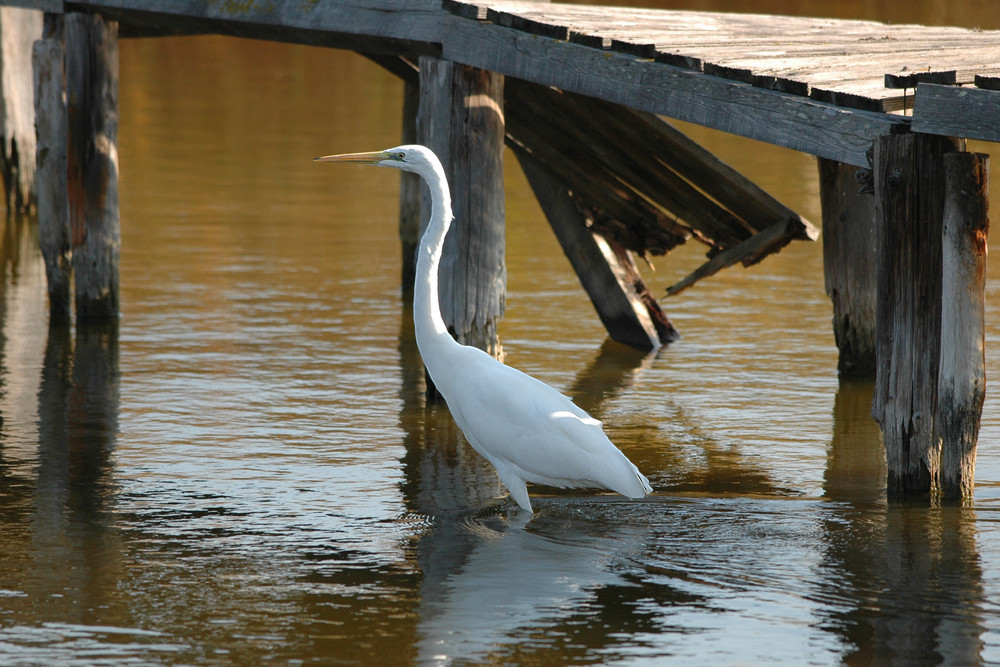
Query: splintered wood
{"type": "Point", "coordinates": [644, 185]}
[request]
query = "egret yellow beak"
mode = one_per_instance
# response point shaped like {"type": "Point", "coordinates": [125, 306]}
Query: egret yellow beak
{"type": "Point", "coordinates": [360, 158]}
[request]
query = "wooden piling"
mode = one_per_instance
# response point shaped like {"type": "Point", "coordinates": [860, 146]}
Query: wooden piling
{"type": "Point", "coordinates": [409, 191]}
{"type": "Point", "coordinates": [19, 28]}
{"type": "Point", "coordinates": [909, 209]}
{"type": "Point", "coordinates": [461, 119]}
{"type": "Point", "coordinates": [605, 269]}
{"type": "Point", "coordinates": [92, 157]}
{"type": "Point", "coordinates": [48, 59]}
{"type": "Point", "coordinates": [849, 265]}
{"type": "Point", "coordinates": [962, 373]}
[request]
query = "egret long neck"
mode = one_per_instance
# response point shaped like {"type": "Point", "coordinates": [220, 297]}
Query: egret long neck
{"type": "Point", "coordinates": [431, 332]}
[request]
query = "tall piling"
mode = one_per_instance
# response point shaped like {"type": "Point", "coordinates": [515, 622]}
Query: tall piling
{"type": "Point", "coordinates": [48, 62]}
{"type": "Point", "coordinates": [962, 373]}
{"type": "Point", "coordinates": [910, 199]}
{"type": "Point", "coordinates": [92, 162]}
{"type": "Point", "coordinates": [849, 265]}
{"type": "Point", "coordinates": [461, 119]}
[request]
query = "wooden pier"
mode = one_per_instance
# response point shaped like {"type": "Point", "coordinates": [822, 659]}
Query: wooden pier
{"type": "Point", "coordinates": [578, 93]}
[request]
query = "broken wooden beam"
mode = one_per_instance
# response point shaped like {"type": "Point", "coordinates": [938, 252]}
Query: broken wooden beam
{"type": "Point", "coordinates": [646, 185]}
{"type": "Point", "coordinates": [607, 273]}
{"type": "Point", "coordinates": [750, 251]}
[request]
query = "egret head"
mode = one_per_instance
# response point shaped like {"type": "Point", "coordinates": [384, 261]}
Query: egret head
{"type": "Point", "coordinates": [408, 158]}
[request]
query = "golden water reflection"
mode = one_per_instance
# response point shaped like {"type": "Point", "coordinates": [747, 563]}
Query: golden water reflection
{"type": "Point", "coordinates": [248, 472]}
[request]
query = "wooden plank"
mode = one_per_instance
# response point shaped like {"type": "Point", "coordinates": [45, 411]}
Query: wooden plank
{"type": "Point", "coordinates": [987, 82]}
{"type": "Point", "coordinates": [376, 26]}
{"type": "Point", "coordinates": [601, 144]}
{"type": "Point", "coordinates": [910, 79]}
{"type": "Point", "coordinates": [770, 116]}
{"type": "Point", "coordinates": [48, 56]}
{"type": "Point", "coordinates": [600, 148]}
{"type": "Point", "coordinates": [962, 373]}
{"type": "Point", "coordinates": [92, 158]}
{"type": "Point", "coordinates": [973, 113]}
{"type": "Point", "coordinates": [621, 213]}
{"type": "Point", "coordinates": [909, 211]}
{"type": "Point", "coordinates": [694, 32]}
{"type": "Point", "coordinates": [849, 266]}
{"type": "Point", "coordinates": [710, 174]}
{"type": "Point", "coordinates": [543, 29]}
{"type": "Point", "coordinates": [749, 252]}
{"type": "Point", "coordinates": [48, 6]}
{"type": "Point", "coordinates": [846, 59]}
{"type": "Point", "coordinates": [611, 280]}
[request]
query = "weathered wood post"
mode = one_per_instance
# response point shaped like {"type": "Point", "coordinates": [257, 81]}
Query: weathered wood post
{"type": "Point", "coordinates": [409, 190]}
{"type": "Point", "coordinates": [48, 58]}
{"type": "Point", "coordinates": [849, 265]}
{"type": "Point", "coordinates": [608, 273]}
{"type": "Point", "coordinates": [92, 156]}
{"type": "Point", "coordinates": [19, 28]}
{"type": "Point", "coordinates": [909, 194]}
{"type": "Point", "coordinates": [962, 374]}
{"type": "Point", "coordinates": [461, 120]}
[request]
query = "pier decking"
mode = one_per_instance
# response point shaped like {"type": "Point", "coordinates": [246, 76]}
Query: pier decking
{"type": "Point", "coordinates": [887, 105]}
{"type": "Point", "coordinates": [821, 86]}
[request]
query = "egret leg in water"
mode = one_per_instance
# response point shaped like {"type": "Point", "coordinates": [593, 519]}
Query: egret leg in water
{"type": "Point", "coordinates": [525, 428]}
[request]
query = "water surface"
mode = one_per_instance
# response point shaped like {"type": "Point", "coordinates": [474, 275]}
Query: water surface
{"type": "Point", "coordinates": [246, 471]}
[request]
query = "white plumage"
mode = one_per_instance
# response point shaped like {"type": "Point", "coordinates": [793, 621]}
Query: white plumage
{"type": "Point", "coordinates": [525, 428]}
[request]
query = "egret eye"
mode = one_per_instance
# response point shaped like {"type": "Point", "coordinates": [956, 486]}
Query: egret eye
{"type": "Point", "coordinates": [397, 156]}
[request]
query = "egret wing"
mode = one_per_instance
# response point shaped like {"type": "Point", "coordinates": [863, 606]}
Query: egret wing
{"type": "Point", "coordinates": [514, 418]}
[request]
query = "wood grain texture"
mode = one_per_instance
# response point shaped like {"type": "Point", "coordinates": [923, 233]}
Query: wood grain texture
{"type": "Point", "coordinates": [844, 61]}
{"type": "Point", "coordinates": [973, 113]}
{"type": "Point", "coordinates": [461, 120]}
{"type": "Point", "coordinates": [375, 26]}
{"type": "Point", "coordinates": [644, 185]}
{"type": "Point", "coordinates": [611, 280]}
{"type": "Point", "coordinates": [962, 373]}
{"type": "Point", "coordinates": [711, 68]}
{"type": "Point", "coordinates": [92, 159]}
{"type": "Point", "coordinates": [849, 266]}
{"type": "Point", "coordinates": [51, 168]}
{"type": "Point", "coordinates": [409, 192]}
{"type": "Point", "coordinates": [909, 210]}
{"type": "Point", "coordinates": [772, 116]}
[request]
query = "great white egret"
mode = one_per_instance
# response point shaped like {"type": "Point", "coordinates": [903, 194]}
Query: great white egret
{"type": "Point", "coordinates": [525, 428]}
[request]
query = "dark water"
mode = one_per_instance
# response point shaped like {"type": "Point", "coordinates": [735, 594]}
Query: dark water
{"type": "Point", "coordinates": [246, 472]}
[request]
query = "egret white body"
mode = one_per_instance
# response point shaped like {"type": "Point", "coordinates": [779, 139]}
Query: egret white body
{"type": "Point", "coordinates": [525, 428]}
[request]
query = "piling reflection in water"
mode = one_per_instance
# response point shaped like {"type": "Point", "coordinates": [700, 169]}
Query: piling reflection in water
{"type": "Point", "coordinates": [249, 474]}
{"type": "Point", "coordinates": [78, 404]}
{"type": "Point", "coordinates": [910, 575]}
